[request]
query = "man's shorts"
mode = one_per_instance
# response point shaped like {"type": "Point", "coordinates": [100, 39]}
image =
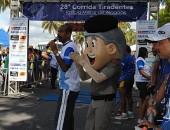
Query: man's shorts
{"type": "Point", "coordinates": [142, 89]}
{"type": "Point", "coordinates": [127, 84]}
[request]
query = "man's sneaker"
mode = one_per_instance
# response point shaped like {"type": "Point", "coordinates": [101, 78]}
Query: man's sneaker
{"type": "Point", "coordinates": [121, 117]}
{"type": "Point", "coordinates": [119, 112]}
{"type": "Point", "coordinates": [137, 104]}
{"type": "Point", "coordinates": [131, 116]}
{"type": "Point", "coordinates": [141, 120]}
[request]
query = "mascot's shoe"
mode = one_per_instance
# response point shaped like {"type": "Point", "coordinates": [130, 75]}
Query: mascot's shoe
{"type": "Point", "coordinates": [122, 117]}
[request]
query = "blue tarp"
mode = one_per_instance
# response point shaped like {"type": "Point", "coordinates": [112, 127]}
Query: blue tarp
{"type": "Point", "coordinates": [4, 38]}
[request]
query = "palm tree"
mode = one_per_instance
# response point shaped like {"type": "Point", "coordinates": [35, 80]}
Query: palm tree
{"type": "Point", "coordinates": [79, 38]}
{"type": "Point", "coordinates": [124, 25]}
{"type": "Point", "coordinates": [129, 33]}
{"type": "Point", "coordinates": [164, 15]}
{"type": "Point", "coordinates": [130, 36]}
{"type": "Point", "coordinates": [4, 4]}
{"type": "Point", "coordinates": [51, 26]}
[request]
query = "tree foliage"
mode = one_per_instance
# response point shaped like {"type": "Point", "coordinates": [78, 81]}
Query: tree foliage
{"type": "Point", "coordinates": [51, 26]}
{"type": "Point", "coordinates": [4, 4]}
{"type": "Point", "coordinates": [129, 33]}
{"type": "Point", "coordinates": [79, 38]}
{"type": "Point", "coordinates": [164, 14]}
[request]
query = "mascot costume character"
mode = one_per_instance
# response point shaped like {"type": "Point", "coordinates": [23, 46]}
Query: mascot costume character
{"type": "Point", "coordinates": [104, 48]}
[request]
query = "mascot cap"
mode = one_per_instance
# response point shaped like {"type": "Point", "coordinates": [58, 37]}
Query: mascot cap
{"type": "Point", "coordinates": [106, 27]}
{"type": "Point", "coordinates": [100, 23]}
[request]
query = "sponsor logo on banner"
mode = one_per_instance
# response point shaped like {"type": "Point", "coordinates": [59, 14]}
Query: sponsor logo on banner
{"type": "Point", "coordinates": [14, 68]}
{"type": "Point", "coordinates": [22, 68]}
{"type": "Point", "coordinates": [21, 47]}
{"type": "Point", "coordinates": [14, 37]}
{"type": "Point", "coordinates": [142, 42]}
{"type": "Point", "coordinates": [18, 28]}
{"type": "Point", "coordinates": [14, 2]}
{"type": "Point", "coordinates": [14, 73]}
{"type": "Point", "coordinates": [17, 64]}
{"type": "Point", "coordinates": [22, 73]}
{"type": "Point", "coordinates": [21, 60]}
{"type": "Point", "coordinates": [14, 46]}
{"type": "Point", "coordinates": [18, 55]}
{"type": "Point", "coordinates": [19, 23]}
{"type": "Point", "coordinates": [14, 31]}
{"type": "Point", "coordinates": [23, 37]}
{"type": "Point", "coordinates": [13, 42]}
{"type": "Point", "coordinates": [22, 42]}
{"type": "Point", "coordinates": [23, 32]}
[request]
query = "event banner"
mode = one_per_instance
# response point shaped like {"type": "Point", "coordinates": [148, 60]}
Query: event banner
{"type": "Point", "coordinates": [18, 49]}
{"type": "Point", "coordinates": [144, 28]}
{"type": "Point", "coordinates": [80, 11]}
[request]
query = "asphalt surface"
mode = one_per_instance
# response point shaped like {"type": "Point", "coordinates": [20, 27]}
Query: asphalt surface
{"type": "Point", "coordinates": [30, 113]}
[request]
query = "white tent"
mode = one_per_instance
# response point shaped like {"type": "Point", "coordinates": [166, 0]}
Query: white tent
{"type": "Point", "coordinates": [133, 47]}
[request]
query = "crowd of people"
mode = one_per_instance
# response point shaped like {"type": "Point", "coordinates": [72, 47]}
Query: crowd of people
{"type": "Point", "coordinates": [42, 65]}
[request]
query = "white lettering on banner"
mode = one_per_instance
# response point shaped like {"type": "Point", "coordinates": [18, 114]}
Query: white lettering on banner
{"type": "Point", "coordinates": [94, 7]}
{"type": "Point", "coordinates": [88, 12]}
{"type": "Point", "coordinates": [114, 7]}
{"type": "Point", "coordinates": [83, 7]}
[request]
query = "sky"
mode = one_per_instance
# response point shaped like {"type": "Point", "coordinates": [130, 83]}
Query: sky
{"type": "Point", "coordinates": [35, 29]}
{"type": "Point", "coordinates": [36, 34]}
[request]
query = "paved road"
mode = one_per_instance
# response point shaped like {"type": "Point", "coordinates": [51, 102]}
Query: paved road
{"type": "Point", "coordinates": [31, 114]}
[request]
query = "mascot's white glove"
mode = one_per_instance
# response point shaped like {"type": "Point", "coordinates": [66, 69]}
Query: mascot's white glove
{"type": "Point", "coordinates": [79, 60]}
{"type": "Point", "coordinates": [90, 72]}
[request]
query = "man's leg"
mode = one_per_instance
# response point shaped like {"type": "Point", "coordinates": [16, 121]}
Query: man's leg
{"type": "Point", "coordinates": [122, 92]}
{"type": "Point", "coordinates": [64, 119]}
{"type": "Point", "coordinates": [129, 97]}
{"type": "Point", "coordinates": [53, 77]}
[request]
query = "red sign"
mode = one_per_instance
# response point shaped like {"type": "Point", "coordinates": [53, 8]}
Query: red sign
{"type": "Point", "coordinates": [77, 27]}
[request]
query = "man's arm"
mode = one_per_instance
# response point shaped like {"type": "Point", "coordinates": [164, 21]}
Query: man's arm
{"type": "Point", "coordinates": [159, 97]}
{"type": "Point", "coordinates": [155, 72]}
{"type": "Point", "coordinates": [60, 61]}
{"type": "Point", "coordinates": [143, 73]}
{"type": "Point", "coordinates": [161, 92]}
{"type": "Point", "coordinates": [140, 65]}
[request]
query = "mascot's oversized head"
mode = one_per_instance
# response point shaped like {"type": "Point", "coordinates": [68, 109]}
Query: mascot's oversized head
{"type": "Point", "coordinates": [104, 41]}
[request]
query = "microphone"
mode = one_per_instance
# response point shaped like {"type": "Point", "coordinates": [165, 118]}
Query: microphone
{"type": "Point", "coordinates": [56, 39]}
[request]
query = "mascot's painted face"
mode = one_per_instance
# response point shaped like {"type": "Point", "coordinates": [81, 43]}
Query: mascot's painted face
{"type": "Point", "coordinates": [97, 52]}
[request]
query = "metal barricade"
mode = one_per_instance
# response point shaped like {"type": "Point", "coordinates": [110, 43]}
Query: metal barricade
{"type": "Point", "coordinates": [3, 82]}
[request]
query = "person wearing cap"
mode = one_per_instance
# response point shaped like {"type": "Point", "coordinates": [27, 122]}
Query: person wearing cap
{"type": "Point", "coordinates": [161, 39]}
{"type": "Point", "coordinates": [105, 46]}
